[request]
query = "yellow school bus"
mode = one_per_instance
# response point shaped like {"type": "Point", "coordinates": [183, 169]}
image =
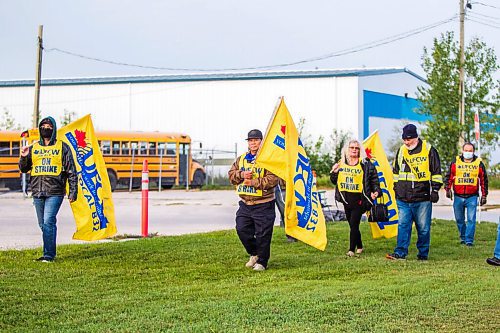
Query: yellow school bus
{"type": "Point", "coordinates": [10, 141]}
{"type": "Point", "coordinates": [168, 154]}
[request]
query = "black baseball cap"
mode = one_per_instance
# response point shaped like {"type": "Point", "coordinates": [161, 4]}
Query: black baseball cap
{"type": "Point", "coordinates": [254, 134]}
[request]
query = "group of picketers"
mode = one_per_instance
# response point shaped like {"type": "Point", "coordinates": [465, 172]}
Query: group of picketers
{"type": "Point", "coordinates": [417, 180]}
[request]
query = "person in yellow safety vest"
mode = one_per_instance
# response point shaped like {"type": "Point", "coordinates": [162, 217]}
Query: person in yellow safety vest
{"type": "Point", "coordinates": [357, 185]}
{"type": "Point", "coordinates": [466, 176]}
{"type": "Point", "coordinates": [51, 165]}
{"type": "Point", "coordinates": [256, 214]}
{"type": "Point", "coordinates": [417, 180]}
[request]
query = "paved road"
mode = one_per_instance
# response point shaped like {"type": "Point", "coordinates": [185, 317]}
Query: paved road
{"type": "Point", "coordinates": [172, 212]}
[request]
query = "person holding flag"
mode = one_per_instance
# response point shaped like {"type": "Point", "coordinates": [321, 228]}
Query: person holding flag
{"type": "Point", "coordinates": [357, 184]}
{"type": "Point", "coordinates": [51, 165]}
{"type": "Point", "coordinates": [256, 214]}
{"type": "Point", "coordinates": [465, 177]}
{"type": "Point", "coordinates": [417, 180]}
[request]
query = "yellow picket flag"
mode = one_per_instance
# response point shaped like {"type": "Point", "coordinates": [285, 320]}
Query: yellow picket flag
{"type": "Point", "coordinates": [93, 210]}
{"type": "Point", "coordinates": [283, 154]}
{"type": "Point", "coordinates": [375, 152]}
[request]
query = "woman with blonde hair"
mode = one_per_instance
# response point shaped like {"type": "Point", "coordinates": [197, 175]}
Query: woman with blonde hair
{"type": "Point", "coordinates": [357, 185]}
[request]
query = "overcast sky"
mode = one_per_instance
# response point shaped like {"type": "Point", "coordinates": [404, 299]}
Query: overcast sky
{"type": "Point", "coordinates": [222, 34]}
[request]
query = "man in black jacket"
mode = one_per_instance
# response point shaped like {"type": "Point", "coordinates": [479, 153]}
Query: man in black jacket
{"type": "Point", "coordinates": [417, 180]}
{"type": "Point", "coordinates": [51, 165]}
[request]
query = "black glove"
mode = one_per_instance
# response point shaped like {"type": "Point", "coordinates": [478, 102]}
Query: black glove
{"type": "Point", "coordinates": [483, 201]}
{"type": "Point", "coordinates": [449, 194]}
{"type": "Point", "coordinates": [434, 196]}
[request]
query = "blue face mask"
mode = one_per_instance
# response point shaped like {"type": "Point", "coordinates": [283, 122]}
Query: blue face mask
{"type": "Point", "coordinates": [250, 158]}
{"type": "Point", "coordinates": [468, 155]}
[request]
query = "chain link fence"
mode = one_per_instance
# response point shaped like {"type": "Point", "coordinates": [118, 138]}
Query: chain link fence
{"type": "Point", "coordinates": [217, 163]}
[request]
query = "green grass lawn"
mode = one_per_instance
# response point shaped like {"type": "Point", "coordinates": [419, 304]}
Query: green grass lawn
{"type": "Point", "coordinates": [198, 283]}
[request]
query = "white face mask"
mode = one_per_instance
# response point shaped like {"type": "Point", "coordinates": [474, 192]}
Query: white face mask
{"type": "Point", "coordinates": [468, 155]}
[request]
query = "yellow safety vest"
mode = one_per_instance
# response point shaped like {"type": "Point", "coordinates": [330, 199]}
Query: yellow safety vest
{"type": "Point", "coordinates": [257, 172]}
{"type": "Point", "coordinates": [350, 178]}
{"type": "Point", "coordinates": [466, 173]}
{"type": "Point", "coordinates": [419, 165]}
{"type": "Point", "coordinates": [47, 160]}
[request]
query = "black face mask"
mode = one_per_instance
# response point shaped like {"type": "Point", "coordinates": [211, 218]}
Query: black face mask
{"type": "Point", "coordinates": [46, 133]}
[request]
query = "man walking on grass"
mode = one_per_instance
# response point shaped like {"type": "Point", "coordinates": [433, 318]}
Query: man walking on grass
{"type": "Point", "coordinates": [417, 180]}
{"type": "Point", "coordinates": [466, 176]}
{"type": "Point", "coordinates": [51, 165]}
{"type": "Point", "coordinates": [256, 213]}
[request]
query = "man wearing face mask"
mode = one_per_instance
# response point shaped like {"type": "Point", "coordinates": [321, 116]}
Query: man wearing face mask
{"type": "Point", "coordinates": [465, 176]}
{"type": "Point", "coordinates": [256, 214]}
{"type": "Point", "coordinates": [417, 180]}
{"type": "Point", "coordinates": [51, 165]}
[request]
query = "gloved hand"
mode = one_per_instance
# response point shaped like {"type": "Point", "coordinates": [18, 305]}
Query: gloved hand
{"type": "Point", "coordinates": [483, 201]}
{"type": "Point", "coordinates": [449, 194]}
{"type": "Point", "coordinates": [434, 196]}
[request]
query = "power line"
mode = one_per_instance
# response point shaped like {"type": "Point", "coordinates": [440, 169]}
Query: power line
{"type": "Point", "coordinates": [486, 16]}
{"type": "Point", "coordinates": [484, 4]}
{"type": "Point", "coordinates": [359, 48]}
{"type": "Point", "coordinates": [483, 23]}
{"type": "Point", "coordinates": [482, 19]}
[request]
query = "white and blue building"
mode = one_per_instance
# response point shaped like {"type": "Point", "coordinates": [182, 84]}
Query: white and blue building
{"type": "Point", "coordinates": [219, 109]}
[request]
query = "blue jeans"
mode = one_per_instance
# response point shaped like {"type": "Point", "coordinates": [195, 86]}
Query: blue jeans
{"type": "Point", "coordinates": [466, 230]}
{"type": "Point", "coordinates": [46, 211]}
{"type": "Point", "coordinates": [421, 213]}
{"type": "Point", "coordinates": [497, 246]}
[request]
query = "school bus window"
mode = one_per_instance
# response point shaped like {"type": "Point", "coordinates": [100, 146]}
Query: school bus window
{"type": "Point", "coordinates": [143, 148]}
{"type": "Point", "coordinates": [152, 148]}
{"type": "Point", "coordinates": [116, 147]}
{"type": "Point", "coordinates": [133, 146]}
{"type": "Point", "coordinates": [171, 148]}
{"type": "Point", "coordinates": [15, 148]}
{"type": "Point", "coordinates": [5, 148]}
{"type": "Point", "coordinates": [125, 149]}
{"type": "Point", "coordinates": [106, 147]}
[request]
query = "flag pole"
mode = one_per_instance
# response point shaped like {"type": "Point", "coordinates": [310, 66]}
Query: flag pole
{"type": "Point", "coordinates": [477, 129]}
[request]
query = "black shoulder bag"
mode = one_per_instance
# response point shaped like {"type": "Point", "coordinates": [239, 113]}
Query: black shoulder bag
{"type": "Point", "coordinates": [379, 212]}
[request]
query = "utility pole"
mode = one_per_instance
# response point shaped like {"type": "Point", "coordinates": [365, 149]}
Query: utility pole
{"type": "Point", "coordinates": [36, 111]}
{"type": "Point", "coordinates": [461, 89]}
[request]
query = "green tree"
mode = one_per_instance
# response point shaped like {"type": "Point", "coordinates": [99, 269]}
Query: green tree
{"type": "Point", "coordinates": [67, 117]}
{"type": "Point", "coordinates": [7, 121]}
{"type": "Point", "coordinates": [322, 153]}
{"type": "Point", "coordinates": [441, 98]}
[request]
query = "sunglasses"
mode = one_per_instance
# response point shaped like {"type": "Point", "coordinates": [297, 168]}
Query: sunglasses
{"type": "Point", "coordinates": [355, 148]}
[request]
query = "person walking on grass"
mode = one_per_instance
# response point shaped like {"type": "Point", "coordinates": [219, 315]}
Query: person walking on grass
{"type": "Point", "coordinates": [466, 176]}
{"type": "Point", "coordinates": [417, 180]}
{"type": "Point", "coordinates": [495, 260]}
{"type": "Point", "coordinates": [51, 165]}
{"type": "Point", "coordinates": [256, 214]}
{"type": "Point", "coordinates": [357, 185]}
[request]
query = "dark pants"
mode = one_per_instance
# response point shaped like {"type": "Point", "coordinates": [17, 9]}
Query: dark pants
{"type": "Point", "coordinates": [353, 213]}
{"type": "Point", "coordinates": [254, 225]}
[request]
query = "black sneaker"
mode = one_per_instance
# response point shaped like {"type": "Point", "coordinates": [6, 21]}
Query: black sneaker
{"type": "Point", "coordinates": [462, 242]}
{"type": "Point", "coordinates": [39, 259]}
{"type": "Point", "coordinates": [394, 256]}
{"type": "Point", "coordinates": [46, 259]}
{"type": "Point", "coordinates": [419, 257]}
{"type": "Point", "coordinates": [469, 244]}
{"type": "Point", "coordinates": [493, 261]}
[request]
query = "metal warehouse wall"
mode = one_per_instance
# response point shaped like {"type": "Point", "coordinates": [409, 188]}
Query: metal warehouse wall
{"type": "Point", "coordinates": [217, 113]}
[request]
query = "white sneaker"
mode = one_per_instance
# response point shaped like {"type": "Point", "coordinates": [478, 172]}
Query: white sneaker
{"type": "Point", "coordinates": [258, 267]}
{"type": "Point", "coordinates": [252, 261]}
